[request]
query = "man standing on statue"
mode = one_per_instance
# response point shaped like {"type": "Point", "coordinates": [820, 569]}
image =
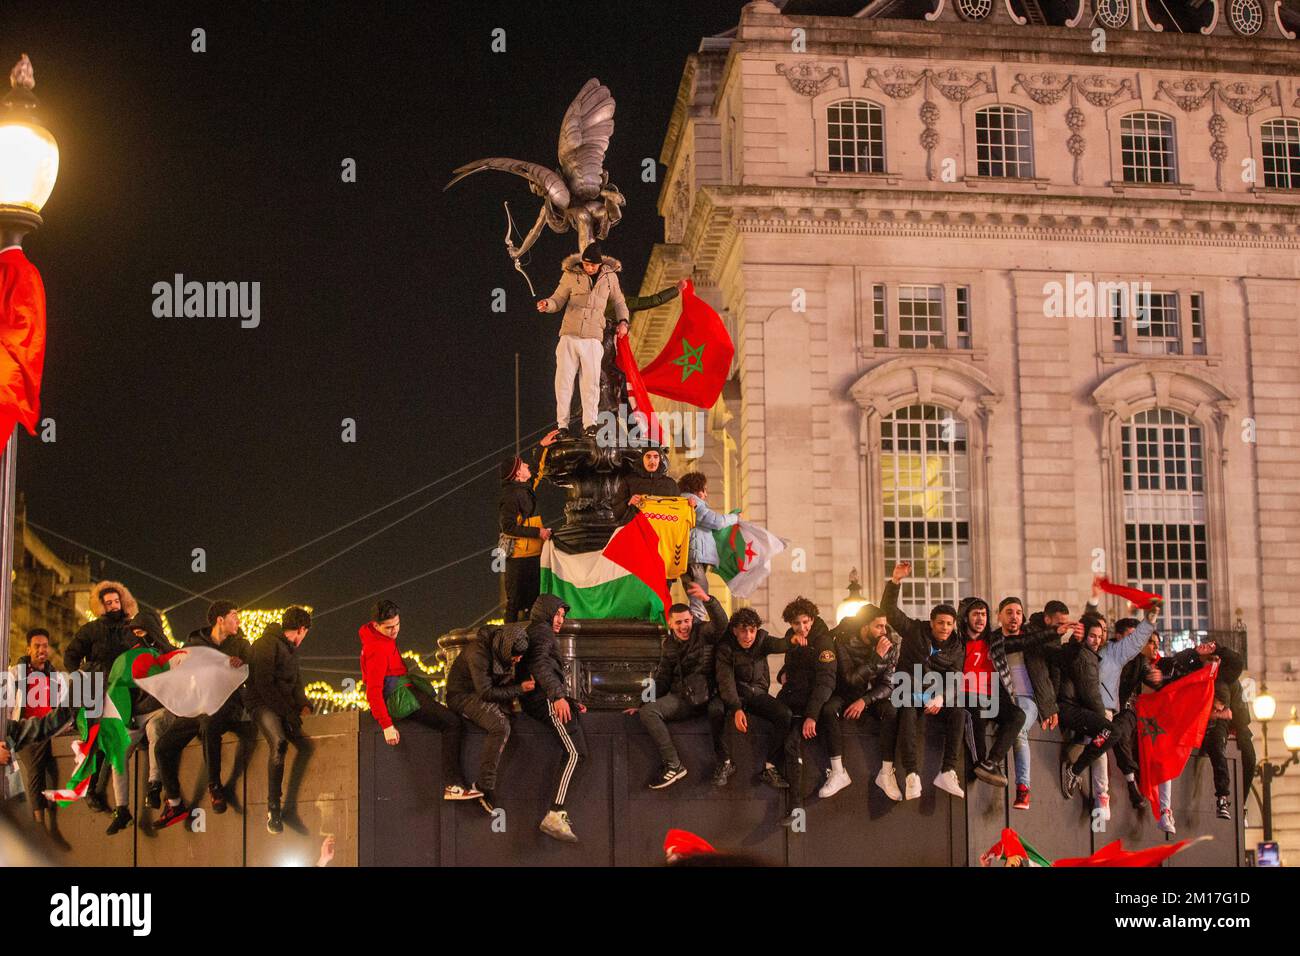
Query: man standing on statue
{"type": "Point", "coordinates": [589, 283]}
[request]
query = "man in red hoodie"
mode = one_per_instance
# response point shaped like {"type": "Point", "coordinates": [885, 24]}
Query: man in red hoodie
{"type": "Point", "coordinates": [395, 695]}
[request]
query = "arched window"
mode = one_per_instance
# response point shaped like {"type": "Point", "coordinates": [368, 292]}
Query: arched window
{"type": "Point", "coordinates": [1280, 142]}
{"type": "Point", "coordinates": [1147, 148]}
{"type": "Point", "coordinates": [855, 137]}
{"type": "Point", "coordinates": [925, 486]}
{"type": "Point", "coordinates": [1166, 551]}
{"type": "Point", "coordinates": [1004, 142]}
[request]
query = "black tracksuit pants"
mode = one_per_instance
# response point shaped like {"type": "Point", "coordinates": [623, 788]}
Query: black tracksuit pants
{"type": "Point", "coordinates": [1080, 720]}
{"type": "Point", "coordinates": [571, 738]}
{"type": "Point", "coordinates": [1124, 731]}
{"type": "Point", "coordinates": [1007, 725]}
{"type": "Point", "coordinates": [496, 724]}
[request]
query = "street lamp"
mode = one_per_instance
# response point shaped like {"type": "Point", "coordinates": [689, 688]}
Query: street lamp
{"type": "Point", "coordinates": [854, 602]}
{"type": "Point", "coordinates": [29, 165]}
{"type": "Point", "coordinates": [1264, 707]}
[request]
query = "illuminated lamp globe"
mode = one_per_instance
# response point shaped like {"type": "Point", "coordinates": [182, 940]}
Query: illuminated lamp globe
{"type": "Point", "coordinates": [29, 156]}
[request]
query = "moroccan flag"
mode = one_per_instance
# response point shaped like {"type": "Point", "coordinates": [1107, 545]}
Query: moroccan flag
{"type": "Point", "coordinates": [1171, 722]}
{"type": "Point", "coordinates": [1114, 854]}
{"type": "Point", "coordinates": [22, 342]}
{"type": "Point", "coordinates": [625, 579]}
{"type": "Point", "coordinates": [695, 360]}
{"type": "Point", "coordinates": [637, 392]}
{"type": "Point", "coordinates": [1013, 851]}
{"type": "Point", "coordinates": [745, 552]}
{"type": "Point", "coordinates": [1139, 599]}
{"type": "Point", "coordinates": [683, 843]}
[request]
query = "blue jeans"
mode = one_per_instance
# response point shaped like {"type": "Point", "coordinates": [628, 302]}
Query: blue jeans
{"type": "Point", "coordinates": [1020, 750]}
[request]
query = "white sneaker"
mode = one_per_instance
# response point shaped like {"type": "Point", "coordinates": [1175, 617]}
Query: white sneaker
{"type": "Point", "coordinates": [836, 780]}
{"type": "Point", "coordinates": [912, 786]}
{"type": "Point", "coordinates": [886, 782]}
{"type": "Point", "coordinates": [1103, 807]}
{"type": "Point", "coordinates": [947, 782]}
{"type": "Point", "coordinates": [556, 825]}
{"type": "Point", "coordinates": [1167, 821]}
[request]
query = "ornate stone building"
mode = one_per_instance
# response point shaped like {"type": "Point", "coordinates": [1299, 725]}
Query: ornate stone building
{"type": "Point", "coordinates": [1013, 286]}
{"type": "Point", "coordinates": [48, 591]}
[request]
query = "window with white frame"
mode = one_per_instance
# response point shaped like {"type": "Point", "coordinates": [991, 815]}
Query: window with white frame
{"type": "Point", "coordinates": [920, 317]}
{"type": "Point", "coordinates": [1004, 142]}
{"type": "Point", "coordinates": [925, 487]}
{"type": "Point", "coordinates": [855, 137]}
{"type": "Point", "coordinates": [1166, 547]}
{"type": "Point", "coordinates": [1280, 143]}
{"type": "Point", "coordinates": [1157, 323]}
{"type": "Point", "coordinates": [914, 315]}
{"type": "Point", "coordinates": [1147, 148]}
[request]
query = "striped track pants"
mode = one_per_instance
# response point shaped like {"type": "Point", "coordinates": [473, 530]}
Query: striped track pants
{"type": "Point", "coordinates": [571, 739]}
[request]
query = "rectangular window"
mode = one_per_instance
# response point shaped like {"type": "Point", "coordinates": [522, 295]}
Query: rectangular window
{"type": "Point", "coordinates": [1147, 148]}
{"type": "Point", "coordinates": [920, 317]}
{"type": "Point", "coordinates": [855, 137]}
{"type": "Point", "coordinates": [1117, 320]}
{"type": "Point", "coordinates": [1004, 142]}
{"type": "Point", "coordinates": [1280, 141]}
{"type": "Point", "coordinates": [963, 316]}
{"type": "Point", "coordinates": [1198, 324]}
{"type": "Point", "coordinates": [1156, 324]}
{"type": "Point", "coordinates": [879, 337]}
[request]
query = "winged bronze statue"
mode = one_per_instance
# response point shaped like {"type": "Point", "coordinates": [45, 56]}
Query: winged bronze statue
{"type": "Point", "coordinates": [579, 195]}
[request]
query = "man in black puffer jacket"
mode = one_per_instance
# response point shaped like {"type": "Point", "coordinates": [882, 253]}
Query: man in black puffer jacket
{"type": "Point", "coordinates": [549, 702]}
{"type": "Point", "coordinates": [932, 655]}
{"type": "Point", "coordinates": [481, 686]}
{"type": "Point", "coordinates": [277, 701]}
{"type": "Point", "coordinates": [807, 681]}
{"type": "Point", "coordinates": [744, 681]}
{"type": "Point", "coordinates": [866, 654]}
{"type": "Point", "coordinates": [1082, 710]}
{"type": "Point", "coordinates": [685, 686]}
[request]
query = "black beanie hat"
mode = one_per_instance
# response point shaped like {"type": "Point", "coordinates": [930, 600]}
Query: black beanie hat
{"type": "Point", "coordinates": [592, 253]}
{"type": "Point", "coordinates": [510, 466]}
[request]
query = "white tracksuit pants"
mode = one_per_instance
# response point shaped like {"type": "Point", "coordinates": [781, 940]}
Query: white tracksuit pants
{"type": "Point", "coordinates": [572, 355]}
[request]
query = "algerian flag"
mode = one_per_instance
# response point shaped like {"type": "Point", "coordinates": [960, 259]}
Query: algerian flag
{"type": "Point", "coordinates": [624, 579]}
{"type": "Point", "coordinates": [1013, 850]}
{"type": "Point", "coordinates": [745, 552]}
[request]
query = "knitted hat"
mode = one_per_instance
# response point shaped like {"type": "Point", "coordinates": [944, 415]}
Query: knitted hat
{"type": "Point", "coordinates": [592, 253]}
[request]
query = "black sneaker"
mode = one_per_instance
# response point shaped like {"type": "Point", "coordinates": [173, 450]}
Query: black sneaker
{"type": "Point", "coordinates": [723, 773]}
{"type": "Point", "coordinates": [121, 820]}
{"type": "Point", "coordinates": [1136, 797]}
{"type": "Point", "coordinates": [172, 815]}
{"type": "Point", "coordinates": [96, 803]}
{"type": "Point", "coordinates": [1222, 808]}
{"type": "Point", "coordinates": [670, 776]}
{"type": "Point", "coordinates": [590, 431]}
{"type": "Point", "coordinates": [153, 798]}
{"type": "Point", "coordinates": [274, 822]}
{"type": "Point", "coordinates": [1069, 781]}
{"type": "Point", "coordinates": [989, 774]}
{"type": "Point", "coordinates": [772, 777]}
{"type": "Point", "coordinates": [218, 798]}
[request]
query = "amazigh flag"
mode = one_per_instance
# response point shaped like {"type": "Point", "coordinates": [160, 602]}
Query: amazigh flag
{"type": "Point", "coordinates": [625, 579]}
{"type": "Point", "coordinates": [1013, 851]}
{"type": "Point", "coordinates": [696, 359]}
{"type": "Point", "coordinates": [1139, 599]}
{"type": "Point", "coordinates": [22, 342]}
{"type": "Point", "coordinates": [745, 552]}
{"type": "Point", "coordinates": [1171, 722]}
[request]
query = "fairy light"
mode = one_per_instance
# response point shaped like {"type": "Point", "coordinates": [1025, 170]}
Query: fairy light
{"type": "Point", "coordinates": [353, 696]}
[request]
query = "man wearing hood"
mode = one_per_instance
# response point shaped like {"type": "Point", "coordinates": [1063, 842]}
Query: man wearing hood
{"type": "Point", "coordinates": [481, 686]}
{"type": "Point", "coordinates": [150, 718]}
{"type": "Point", "coordinates": [866, 653]}
{"type": "Point", "coordinates": [650, 477]}
{"type": "Point", "coordinates": [929, 648]}
{"type": "Point", "coordinates": [588, 285]}
{"type": "Point", "coordinates": [277, 701]}
{"type": "Point", "coordinates": [744, 682]}
{"type": "Point", "coordinates": [989, 691]}
{"type": "Point", "coordinates": [520, 525]}
{"type": "Point", "coordinates": [550, 702]}
{"type": "Point", "coordinates": [685, 686]}
{"type": "Point", "coordinates": [222, 634]}
{"type": "Point", "coordinates": [807, 681]}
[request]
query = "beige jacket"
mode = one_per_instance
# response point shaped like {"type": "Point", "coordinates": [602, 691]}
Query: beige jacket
{"type": "Point", "coordinates": [583, 298]}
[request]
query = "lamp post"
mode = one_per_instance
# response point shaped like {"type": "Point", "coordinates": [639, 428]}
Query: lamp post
{"type": "Point", "coordinates": [1264, 708]}
{"type": "Point", "coordinates": [29, 165]}
{"type": "Point", "coordinates": [854, 602]}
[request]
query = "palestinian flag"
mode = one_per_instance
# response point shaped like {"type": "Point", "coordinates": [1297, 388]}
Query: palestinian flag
{"type": "Point", "coordinates": [625, 579]}
{"type": "Point", "coordinates": [1013, 851]}
{"type": "Point", "coordinates": [745, 552]}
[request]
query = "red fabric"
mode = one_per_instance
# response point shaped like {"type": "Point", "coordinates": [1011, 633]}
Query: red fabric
{"type": "Point", "coordinates": [1171, 722]}
{"type": "Point", "coordinates": [1139, 599]}
{"type": "Point", "coordinates": [679, 843]}
{"type": "Point", "coordinates": [38, 688]}
{"type": "Point", "coordinates": [379, 659]}
{"type": "Point", "coordinates": [144, 665]}
{"type": "Point", "coordinates": [636, 388]}
{"type": "Point", "coordinates": [977, 669]}
{"type": "Point", "coordinates": [696, 359]}
{"type": "Point", "coordinates": [22, 342]}
{"type": "Point", "coordinates": [635, 548]}
{"type": "Point", "coordinates": [1114, 854]}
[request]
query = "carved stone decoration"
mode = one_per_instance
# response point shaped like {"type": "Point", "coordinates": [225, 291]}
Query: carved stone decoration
{"type": "Point", "coordinates": [1113, 14]}
{"type": "Point", "coordinates": [956, 86]}
{"type": "Point", "coordinates": [974, 9]}
{"type": "Point", "coordinates": [1246, 16]}
{"type": "Point", "coordinates": [1050, 88]}
{"type": "Point", "coordinates": [1242, 98]}
{"type": "Point", "coordinates": [675, 224]}
{"type": "Point", "coordinates": [809, 79]}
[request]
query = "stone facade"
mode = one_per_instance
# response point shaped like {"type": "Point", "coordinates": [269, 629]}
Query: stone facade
{"type": "Point", "coordinates": [796, 251]}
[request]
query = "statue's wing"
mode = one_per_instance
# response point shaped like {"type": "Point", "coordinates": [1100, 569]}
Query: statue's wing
{"type": "Point", "coordinates": [549, 183]}
{"type": "Point", "coordinates": [584, 137]}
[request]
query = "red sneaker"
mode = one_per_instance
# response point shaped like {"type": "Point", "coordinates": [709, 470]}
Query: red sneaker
{"type": "Point", "coordinates": [1022, 798]}
{"type": "Point", "coordinates": [172, 815]}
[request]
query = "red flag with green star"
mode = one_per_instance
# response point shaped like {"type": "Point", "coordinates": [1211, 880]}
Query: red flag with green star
{"type": "Point", "coordinates": [1170, 723]}
{"type": "Point", "coordinates": [696, 359]}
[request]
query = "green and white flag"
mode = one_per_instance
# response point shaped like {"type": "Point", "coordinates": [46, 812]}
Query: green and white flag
{"type": "Point", "coordinates": [745, 552]}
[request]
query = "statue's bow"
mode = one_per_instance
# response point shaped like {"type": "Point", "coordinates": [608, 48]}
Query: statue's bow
{"type": "Point", "coordinates": [510, 250]}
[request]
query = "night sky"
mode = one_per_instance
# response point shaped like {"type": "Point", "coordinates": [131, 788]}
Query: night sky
{"type": "Point", "coordinates": [176, 433]}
